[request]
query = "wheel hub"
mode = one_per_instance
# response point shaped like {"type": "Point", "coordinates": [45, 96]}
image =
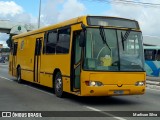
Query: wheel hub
{"type": "Point", "coordinates": [59, 84]}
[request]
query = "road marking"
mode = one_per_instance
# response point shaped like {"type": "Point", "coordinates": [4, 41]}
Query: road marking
{"type": "Point", "coordinates": [6, 78]}
{"type": "Point", "coordinates": [28, 86]}
{"type": "Point", "coordinates": [91, 108]}
{"type": "Point", "coordinates": [39, 90]}
{"type": "Point", "coordinates": [3, 64]}
{"type": "Point", "coordinates": [156, 87]}
{"type": "Point", "coordinates": [108, 114]}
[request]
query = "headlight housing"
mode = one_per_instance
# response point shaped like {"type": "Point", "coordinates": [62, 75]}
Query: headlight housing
{"type": "Point", "coordinates": [140, 83]}
{"type": "Point", "coordinates": [94, 83]}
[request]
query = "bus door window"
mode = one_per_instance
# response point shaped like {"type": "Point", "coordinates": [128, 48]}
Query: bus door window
{"type": "Point", "coordinates": [38, 47]}
{"type": "Point", "coordinates": [76, 60]}
{"type": "Point", "coordinates": [37, 59]}
{"type": "Point", "coordinates": [15, 49]}
{"type": "Point", "coordinates": [15, 46]}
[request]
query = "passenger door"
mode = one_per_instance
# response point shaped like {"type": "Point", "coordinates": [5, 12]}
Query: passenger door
{"type": "Point", "coordinates": [14, 59]}
{"type": "Point", "coordinates": [37, 60]}
{"type": "Point", "coordinates": [76, 61]}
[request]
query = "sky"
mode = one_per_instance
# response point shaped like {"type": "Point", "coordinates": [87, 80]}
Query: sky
{"type": "Point", "coordinates": [54, 11]}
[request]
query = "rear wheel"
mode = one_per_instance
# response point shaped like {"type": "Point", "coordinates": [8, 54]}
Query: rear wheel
{"type": "Point", "coordinates": [19, 80]}
{"type": "Point", "coordinates": [58, 85]}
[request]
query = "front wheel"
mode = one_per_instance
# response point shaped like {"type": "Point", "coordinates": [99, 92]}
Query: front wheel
{"type": "Point", "coordinates": [19, 80]}
{"type": "Point", "coordinates": [58, 85]}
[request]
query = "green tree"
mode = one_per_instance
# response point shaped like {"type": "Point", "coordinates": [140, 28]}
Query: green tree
{"type": "Point", "coordinates": [9, 41]}
{"type": "Point", "coordinates": [5, 50]}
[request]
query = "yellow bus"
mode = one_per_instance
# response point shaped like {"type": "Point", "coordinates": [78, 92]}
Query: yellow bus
{"type": "Point", "coordinates": [84, 56]}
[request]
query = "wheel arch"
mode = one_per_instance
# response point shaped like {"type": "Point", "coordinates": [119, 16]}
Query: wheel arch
{"type": "Point", "coordinates": [18, 66]}
{"type": "Point", "coordinates": [56, 70]}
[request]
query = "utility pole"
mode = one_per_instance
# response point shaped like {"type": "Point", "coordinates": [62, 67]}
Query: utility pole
{"type": "Point", "coordinates": [39, 18]}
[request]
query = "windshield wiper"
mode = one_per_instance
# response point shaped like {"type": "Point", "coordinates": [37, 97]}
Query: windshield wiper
{"type": "Point", "coordinates": [103, 36]}
{"type": "Point", "coordinates": [124, 38]}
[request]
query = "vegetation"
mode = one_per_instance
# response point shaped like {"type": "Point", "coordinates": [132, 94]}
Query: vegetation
{"type": "Point", "coordinates": [5, 50]}
{"type": "Point", "coordinates": [9, 41]}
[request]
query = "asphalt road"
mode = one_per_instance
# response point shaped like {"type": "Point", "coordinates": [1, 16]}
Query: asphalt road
{"type": "Point", "coordinates": [30, 97]}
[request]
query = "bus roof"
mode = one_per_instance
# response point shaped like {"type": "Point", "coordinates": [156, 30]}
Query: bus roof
{"type": "Point", "coordinates": [43, 29]}
{"type": "Point", "coordinates": [62, 24]}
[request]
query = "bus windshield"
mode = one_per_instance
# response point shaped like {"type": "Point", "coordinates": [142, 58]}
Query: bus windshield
{"type": "Point", "coordinates": [117, 55]}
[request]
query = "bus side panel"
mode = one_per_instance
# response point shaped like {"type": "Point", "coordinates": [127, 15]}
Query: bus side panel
{"type": "Point", "coordinates": [25, 57]}
{"type": "Point", "coordinates": [46, 79]}
{"type": "Point", "coordinates": [66, 84]}
{"type": "Point", "coordinates": [27, 75]}
{"type": "Point", "coordinates": [51, 62]}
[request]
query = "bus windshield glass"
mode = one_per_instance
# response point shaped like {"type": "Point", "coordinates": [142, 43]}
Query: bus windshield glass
{"type": "Point", "coordinates": [117, 55]}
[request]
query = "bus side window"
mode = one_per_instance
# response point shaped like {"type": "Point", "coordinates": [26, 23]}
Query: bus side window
{"type": "Point", "coordinates": [63, 43]}
{"type": "Point", "coordinates": [50, 42]}
{"type": "Point", "coordinates": [158, 55]}
{"type": "Point", "coordinates": [150, 54]}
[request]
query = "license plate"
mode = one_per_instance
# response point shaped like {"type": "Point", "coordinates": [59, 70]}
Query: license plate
{"type": "Point", "coordinates": [118, 92]}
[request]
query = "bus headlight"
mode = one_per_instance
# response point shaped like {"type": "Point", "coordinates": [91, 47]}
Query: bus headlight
{"type": "Point", "coordinates": [140, 83]}
{"type": "Point", "coordinates": [94, 83]}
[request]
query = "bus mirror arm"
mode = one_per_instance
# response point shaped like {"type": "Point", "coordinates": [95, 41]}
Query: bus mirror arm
{"type": "Point", "coordinates": [83, 27]}
{"type": "Point", "coordinates": [82, 39]}
{"type": "Point", "coordinates": [82, 36]}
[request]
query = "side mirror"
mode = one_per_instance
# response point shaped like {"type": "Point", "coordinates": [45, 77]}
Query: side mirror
{"type": "Point", "coordinates": [82, 39]}
{"type": "Point", "coordinates": [82, 36]}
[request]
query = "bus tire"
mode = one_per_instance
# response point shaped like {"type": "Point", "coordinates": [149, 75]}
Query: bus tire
{"type": "Point", "coordinates": [58, 85]}
{"type": "Point", "coordinates": [19, 79]}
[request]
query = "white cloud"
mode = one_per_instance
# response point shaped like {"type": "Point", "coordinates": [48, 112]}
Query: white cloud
{"type": "Point", "coordinates": [53, 11]}
{"type": "Point", "coordinates": [3, 38]}
{"type": "Point", "coordinates": [148, 17]}
{"type": "Point", "coordinates": [49, 12]}
{"type": "Point", "coordinates": [71, 8]}
{"type": "Point", "coordinates": [10, 8]}
{"type": "Point", "coordinates": [56, 11]}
